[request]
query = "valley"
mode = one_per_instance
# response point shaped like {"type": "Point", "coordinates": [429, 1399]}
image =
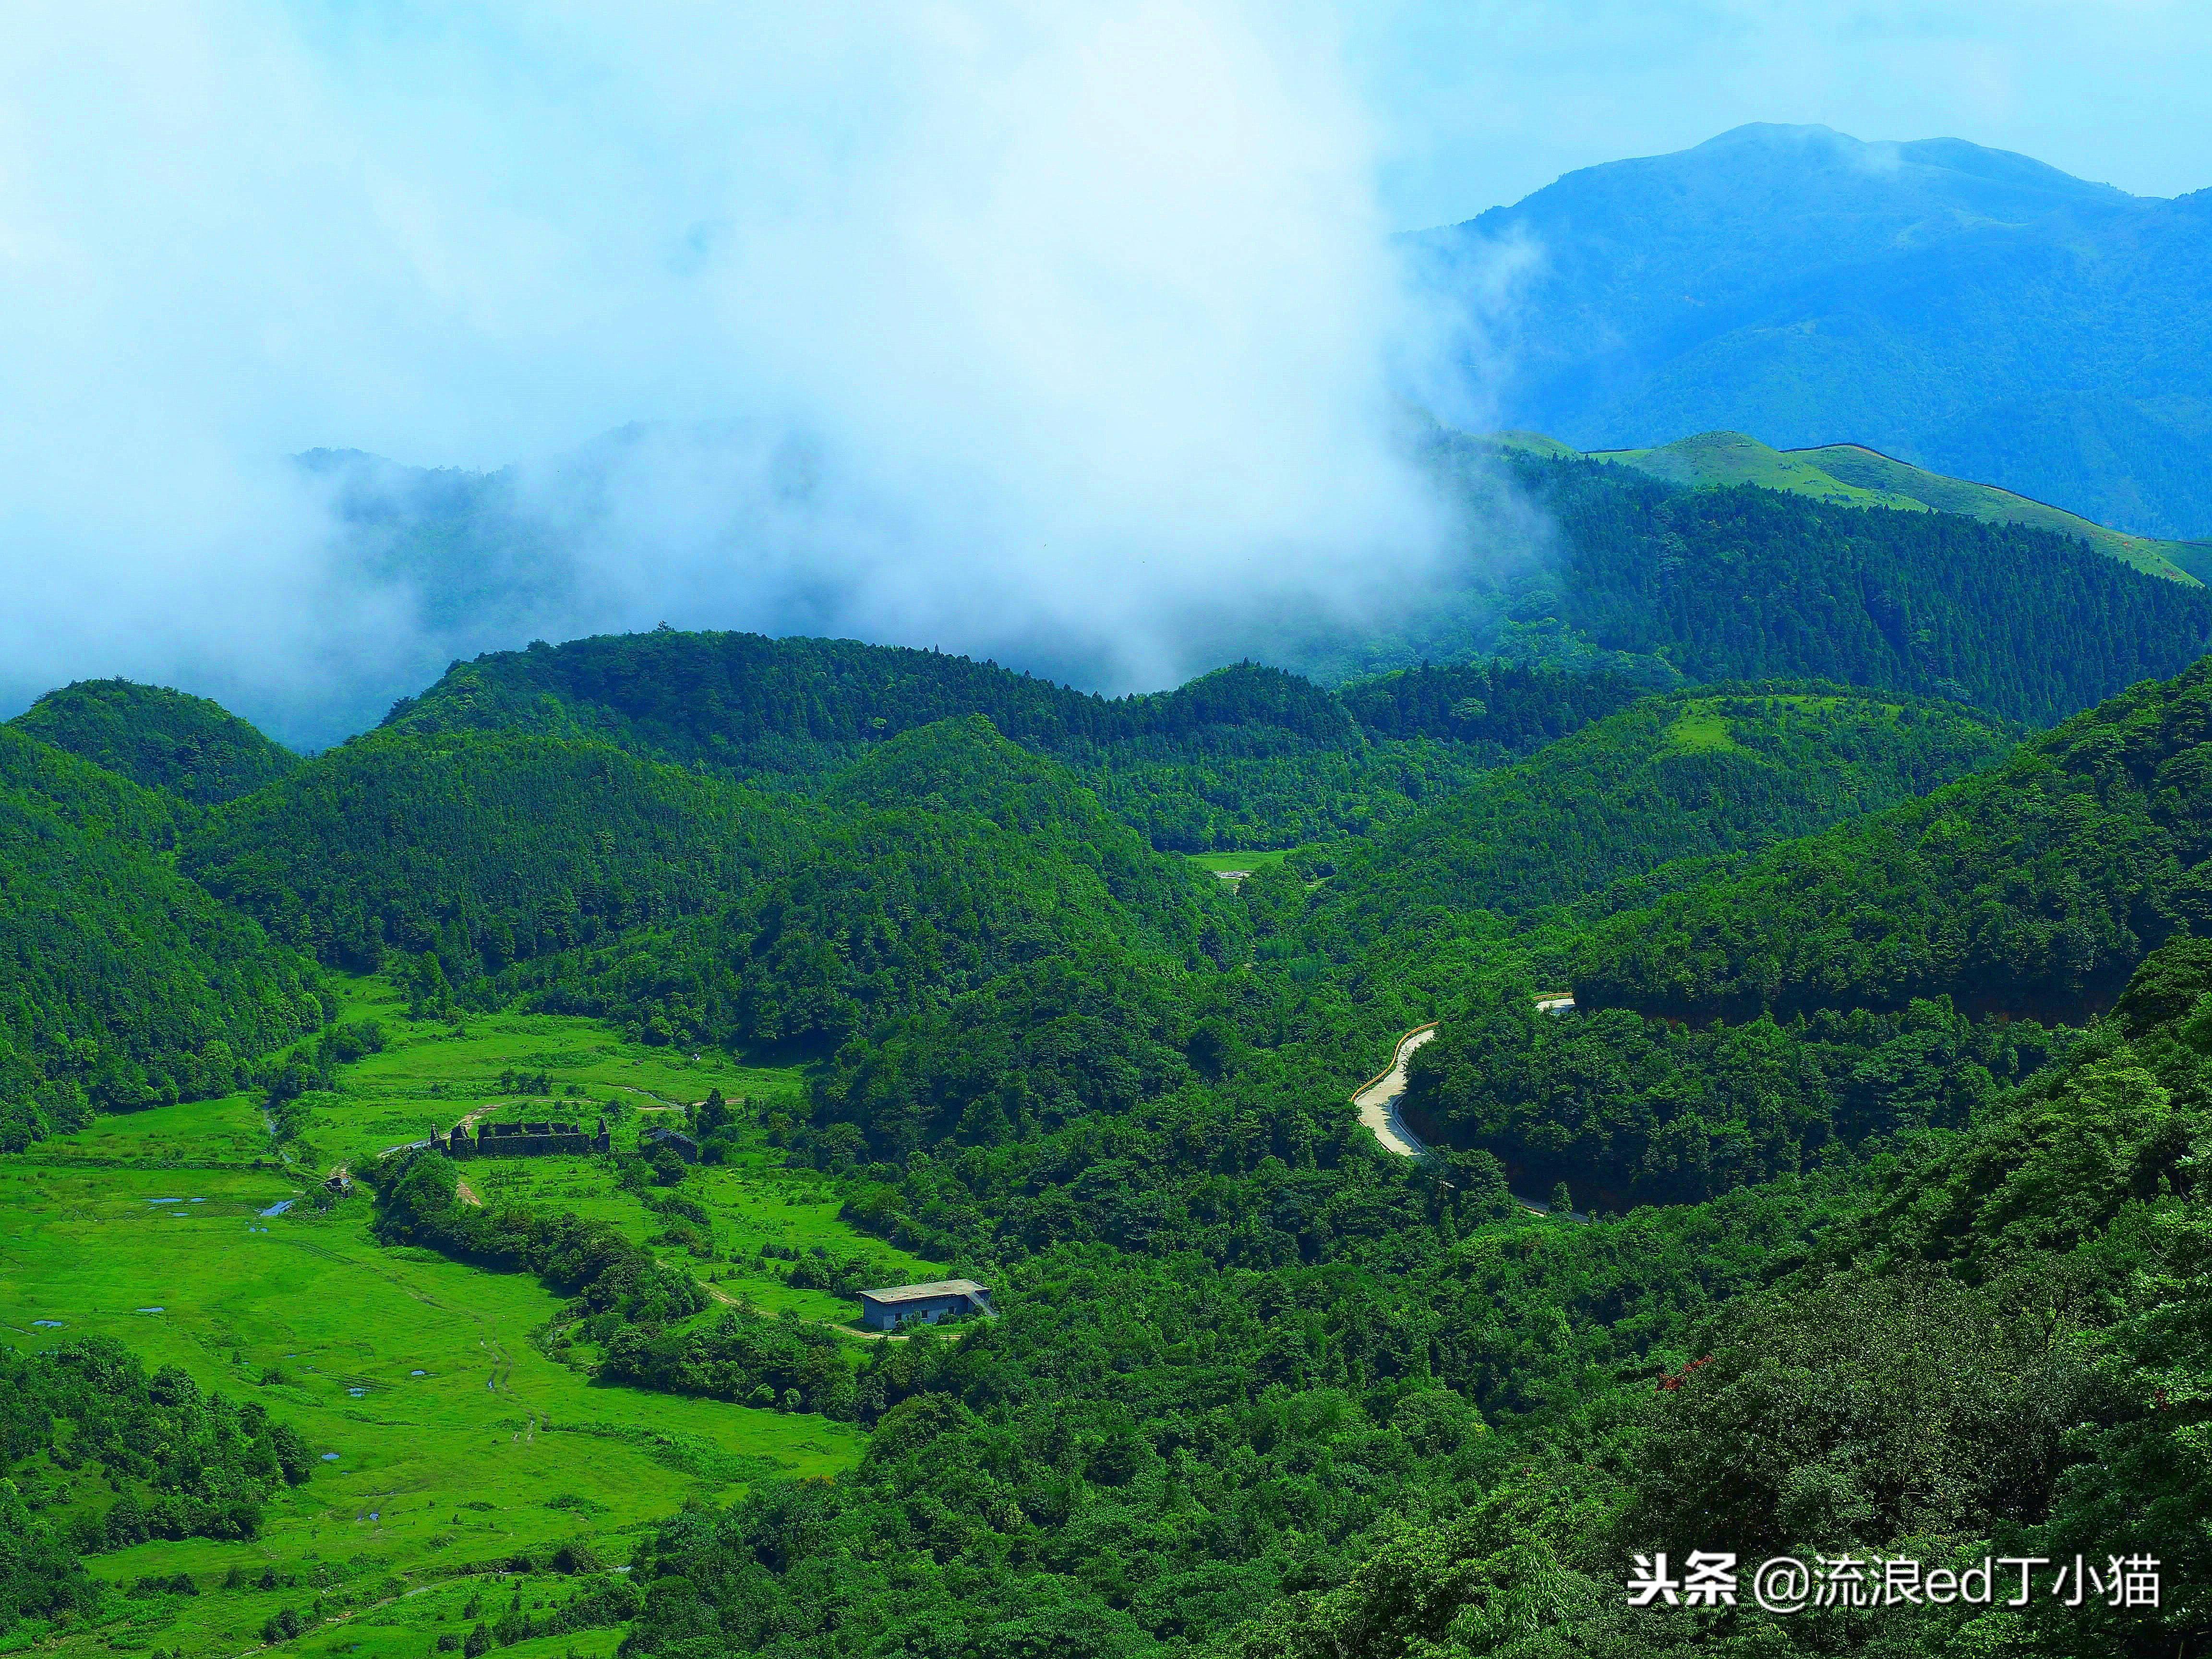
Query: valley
{"type": "Point", "coordinates": [1164, 830]}
{"type": "Point", "coordinates": [450, 1445]}
{"type": "Point", "coordinates": [1864, 928]}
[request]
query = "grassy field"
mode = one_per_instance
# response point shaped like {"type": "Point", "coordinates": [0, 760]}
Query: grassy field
{"type": "Point", "coordinates": [450, 1441]}
{"type": "Point", "coordinates": [1702, 727]}
{"type": "Point", "coordinates": [1245, 861]}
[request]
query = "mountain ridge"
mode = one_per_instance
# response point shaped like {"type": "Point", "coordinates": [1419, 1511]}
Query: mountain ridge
{"type": "Point", "coordinates": [1968, 310]}
{"type": "Point", "coordinates": [1859, 475]}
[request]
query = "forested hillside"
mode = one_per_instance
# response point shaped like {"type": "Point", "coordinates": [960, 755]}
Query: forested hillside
{"type": "Point", "coordinates": [1254, 1396]}
{"type": "Point", "coordinates": [175, 1463]}
{"type": "Point", "coordinates": [1672, 585]}
{"type": "Point", "coordinates": [1243, 756]}
{"type": "Point", "coordinates": [1750, 583]}
{"type": "Point", "coordinates": [1875, 1201]}
{"type": "Point", "coordinates": [486, 848]}
{"type": "Point", "coordinates": [195, 749]}
{"type": "Point", "coordinates": [1718, 770]}
{"type": "Point", "coordinates": [687, 908]}
{"type": "Point", "coordinates": [941, 860]}
{"type": "Point", "coordinates": [122, 984]}
{"type": "Point", "coordinates": [2032, 888]}
{"type": "Point", "coordinates": [1853, 475]}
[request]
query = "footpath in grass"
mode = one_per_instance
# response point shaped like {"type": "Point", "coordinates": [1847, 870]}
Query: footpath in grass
{"type": "Point", "coordinates": [447, 1443]}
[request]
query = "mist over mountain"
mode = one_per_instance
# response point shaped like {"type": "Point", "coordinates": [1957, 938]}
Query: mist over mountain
{"type": "Point", "coordinates": [1966, 309]}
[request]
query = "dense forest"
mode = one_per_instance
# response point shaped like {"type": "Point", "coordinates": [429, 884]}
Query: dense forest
{"type": "Point", "coordinates": [165, 739]}
{"type": "Point", "coordinates": [1682, 586]}
{"type": "Point", "coordinates": [2032, 888]}
{"type": "Point", "coordinates": [1879, 1114]}
{"type": "Point", "coordinates": [1749, 583]}
{"type": "Point", "coordinates": [1246, 755]}
{"type": "Point", "coordinates": [122, 983]}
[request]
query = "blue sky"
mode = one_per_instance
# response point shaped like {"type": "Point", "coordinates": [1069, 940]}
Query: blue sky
{"type": "Point", "coordinates": [1485, 100]}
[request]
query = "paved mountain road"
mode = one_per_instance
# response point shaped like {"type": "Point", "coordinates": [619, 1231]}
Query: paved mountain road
{"type": "Point", "coordinates": [1378, 1101]}
{"type": "Point", "coordinates": [1378, 1105]}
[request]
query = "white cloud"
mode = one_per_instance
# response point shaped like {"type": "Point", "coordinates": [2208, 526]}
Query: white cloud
{"type": "Point", "coordinates": [1080, 316]}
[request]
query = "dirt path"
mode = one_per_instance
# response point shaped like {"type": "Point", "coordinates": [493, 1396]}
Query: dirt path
{"type": "Point", "coordinates": [1378, 1101]}
{"type": "Point", "coordinates": [467, 1194]}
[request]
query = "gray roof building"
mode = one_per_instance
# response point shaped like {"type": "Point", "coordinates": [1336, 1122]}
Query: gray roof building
{"type": "Point", "coordinates": [923, 1304]}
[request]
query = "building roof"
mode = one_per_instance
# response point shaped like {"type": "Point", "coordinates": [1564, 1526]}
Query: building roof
{"type": "Point", "coordinates": [921, 1292]}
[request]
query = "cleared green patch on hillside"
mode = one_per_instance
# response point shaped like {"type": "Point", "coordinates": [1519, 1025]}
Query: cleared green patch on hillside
{"type": "Point", "coordinates": [1220, 861]}
{"type": "Point", "coordinates": [1685, 776]}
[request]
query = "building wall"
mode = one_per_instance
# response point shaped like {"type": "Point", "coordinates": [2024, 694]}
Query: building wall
{"type": "Point", "coordinates": [927, 1311]}
{"type": "Point", "coordinates": [578, 1144]}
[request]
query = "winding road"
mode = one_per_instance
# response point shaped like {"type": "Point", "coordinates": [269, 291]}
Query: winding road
{"type": "Point", "coordinates": [1378, 1101]}
{"type": "Point", "coordinates": [1378, 1110]}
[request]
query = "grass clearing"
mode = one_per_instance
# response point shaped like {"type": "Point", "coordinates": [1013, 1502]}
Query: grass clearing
{"type": "Point", "coordinates": [1702, 727]}
{"type": "Point", "coordinates": [1246, 862]}
{"type": "Point", "coordinates": [453, 1441]}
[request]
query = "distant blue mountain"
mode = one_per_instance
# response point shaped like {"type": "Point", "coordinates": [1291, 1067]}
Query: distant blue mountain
{"type": "Point", "coordinates": [1970, 310]}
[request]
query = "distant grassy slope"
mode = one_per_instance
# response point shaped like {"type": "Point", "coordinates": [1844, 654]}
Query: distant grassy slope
{"type": "Point", "coordinates": [1851, 475]}
{"type": "Point", "coordinates": [163, 738]}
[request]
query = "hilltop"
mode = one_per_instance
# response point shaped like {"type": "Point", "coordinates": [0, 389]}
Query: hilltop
{"type": "Point", "coordinates": [1853, 475]}
{"type": "Point", "coordinates": [165, 739]}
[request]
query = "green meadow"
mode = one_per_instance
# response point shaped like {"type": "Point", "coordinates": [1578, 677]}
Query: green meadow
{"type": "Point", "coordinates": [449, 1441]}
{"type": "Point", "coordinates": [1247, 861]}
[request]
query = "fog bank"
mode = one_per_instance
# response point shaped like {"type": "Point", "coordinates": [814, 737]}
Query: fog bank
{"type": "Point", "coordinates": [1071, 335]}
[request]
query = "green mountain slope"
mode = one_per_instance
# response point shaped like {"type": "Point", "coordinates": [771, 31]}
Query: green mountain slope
{"type": "Point", "coordinates": [1246, 755]}
{"type": "Point", "coordinates": [940, 861]}
{"type": "Point", "coordinates": [163, 738]}
{"type": "Point", "coordinates": [1896, 1281]}
{"type": "Point", "coordinates": [1751, 583]}
{"type": "Point", "coordinates": [687, 906]}
{"type": "Point", "coordinates": [122, 984]}
{"type": "Point", "coordinates": [486, 848]}
{"type": "Point", "coordinates": [1851, 475]}
{"type": "Point", "coordinates": [2032, 887]}
{"type": "Point", "coordinates": [1973, 311]}
{"type": "Point", "coordinates": [1694, 774]}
